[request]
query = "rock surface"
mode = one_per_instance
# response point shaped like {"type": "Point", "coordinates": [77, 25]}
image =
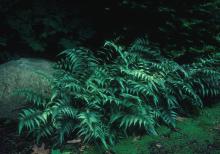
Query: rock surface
{"type": "Point", "coordinates": [22, 74]}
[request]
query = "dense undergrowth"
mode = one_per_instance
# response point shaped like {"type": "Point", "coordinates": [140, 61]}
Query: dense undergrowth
{"type": "Point", "coordinates": [132, 89]}
{"type": "Point", "coordinates": [40, 28]}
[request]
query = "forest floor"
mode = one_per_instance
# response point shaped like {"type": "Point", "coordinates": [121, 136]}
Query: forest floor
{"type": "Point", "coordinates": [196, 135]}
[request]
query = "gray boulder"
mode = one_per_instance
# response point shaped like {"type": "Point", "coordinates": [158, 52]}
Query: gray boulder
{"type": "Point", "coordinates": [22, 74]}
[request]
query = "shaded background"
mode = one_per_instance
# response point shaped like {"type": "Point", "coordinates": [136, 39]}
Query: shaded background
{"type": "Point", "coordinates": [182, 30]}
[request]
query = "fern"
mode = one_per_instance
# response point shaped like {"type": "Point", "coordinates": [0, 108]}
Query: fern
{"type": "Point", "coordinates": [33, 97]}
{"type": "Point", "coordinates": [138, 89]}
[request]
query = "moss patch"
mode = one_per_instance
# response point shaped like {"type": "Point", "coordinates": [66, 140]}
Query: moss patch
{"type": "Point", "coordinates": [198, 135]}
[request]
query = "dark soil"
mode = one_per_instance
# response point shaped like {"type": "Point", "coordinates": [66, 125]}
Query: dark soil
{"type": "Point", "coordinates": [11, 142]}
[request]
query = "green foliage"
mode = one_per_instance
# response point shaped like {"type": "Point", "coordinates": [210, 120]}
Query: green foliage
{"type": "Point", "coordinates": [181, 28]}
{"type": "Point", "coordinates": [194, 135]}
{"type": "Point", "coordinates": [38, 27]}
{"type": "Point", "coordinates": [137, 91]}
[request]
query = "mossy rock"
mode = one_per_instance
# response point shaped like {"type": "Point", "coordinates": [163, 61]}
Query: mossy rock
{"type": "Point", "coordinates": [22, 74]}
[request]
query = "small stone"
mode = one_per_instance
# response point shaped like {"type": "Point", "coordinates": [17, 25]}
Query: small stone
{"type": "Point", "coordinates": [158, 145]}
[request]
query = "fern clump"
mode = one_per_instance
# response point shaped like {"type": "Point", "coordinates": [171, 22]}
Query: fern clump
{"type": "Point", "coordinates": [97, 100]}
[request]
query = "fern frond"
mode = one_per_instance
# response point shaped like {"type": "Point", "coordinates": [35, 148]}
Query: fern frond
{"type": "Point", "coordinates": [65, 127]}
{"type": "Point", "coordinates": [33, 97]}
{"type": "Point", "coordinates": [117, 49]}
{"type": "Point", "coordinates": [31, 119]}
{"type": "Point", "coordinates": [46, 130]}
{"type": "Point", "coordinates": [169, 117]}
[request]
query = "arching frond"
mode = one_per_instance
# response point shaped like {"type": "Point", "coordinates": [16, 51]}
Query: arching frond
{"type": "Point", "coordinates": [139, 88]}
